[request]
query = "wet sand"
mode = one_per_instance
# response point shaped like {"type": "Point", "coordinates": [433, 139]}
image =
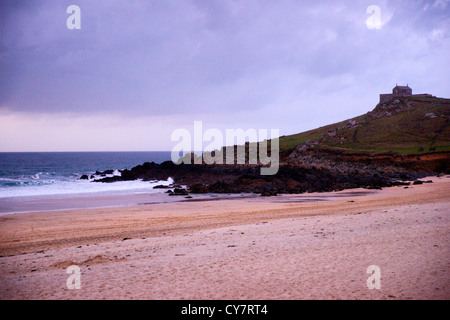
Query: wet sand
{"type": "Point", "coordinates": [248, 248]}
{"type": "Point", "coordinates": [27, 204]}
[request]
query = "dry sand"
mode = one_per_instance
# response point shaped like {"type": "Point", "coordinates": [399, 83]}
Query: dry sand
{"type": "Point", "coordinates": [256, 248]}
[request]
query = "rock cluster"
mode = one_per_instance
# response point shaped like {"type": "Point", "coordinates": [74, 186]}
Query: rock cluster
{"type": "Point", "coordinates": [302, 172]}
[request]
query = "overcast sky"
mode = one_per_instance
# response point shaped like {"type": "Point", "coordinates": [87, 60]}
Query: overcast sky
{"type": "Point", "coordinates": [137, 70]}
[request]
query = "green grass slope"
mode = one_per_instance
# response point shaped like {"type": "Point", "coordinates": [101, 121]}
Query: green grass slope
{"type": "Point", "coordinates": [406, 125]}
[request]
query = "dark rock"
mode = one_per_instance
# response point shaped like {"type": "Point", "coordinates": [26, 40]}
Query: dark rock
{"type": "Point", "coordinates": [268, 193]}
{"type": "Point", "coordinates": [178, 192]}
{"type": "Point", "coordinates": [417, 182]}
{"type": "Point", "coordinates": [160, 186]}
{"type": "Point", "coordinates": [84, 177]}
{"type": "Point", "coordinates": [198, 188]}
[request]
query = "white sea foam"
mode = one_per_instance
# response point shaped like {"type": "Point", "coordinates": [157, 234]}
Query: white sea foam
{"type": "Point", "coordinates": [79, 187]}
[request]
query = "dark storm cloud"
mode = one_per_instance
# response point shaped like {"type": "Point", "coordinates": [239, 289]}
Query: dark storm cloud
{"type": "Point", "coordinates": [169, 57]}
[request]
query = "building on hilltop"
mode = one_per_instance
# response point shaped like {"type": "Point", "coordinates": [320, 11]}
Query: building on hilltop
{"type": "Point", "coordinates": [398, 91]}
{"type": "Point", "coordinates": [401, 91]}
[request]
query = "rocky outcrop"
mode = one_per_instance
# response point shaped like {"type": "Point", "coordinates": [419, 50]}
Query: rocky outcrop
{"type": "Point", "coordinates": [348, 154]}
{"type": "Point", "coordinates": [311, 155]}
{"type": "Point", "coordinates": [301, 173]}
{"type": "Point", "coordinates": [308, 168]}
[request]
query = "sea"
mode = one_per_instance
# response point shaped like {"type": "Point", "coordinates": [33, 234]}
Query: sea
{"type": "Point", "coordinates": [35, 181]}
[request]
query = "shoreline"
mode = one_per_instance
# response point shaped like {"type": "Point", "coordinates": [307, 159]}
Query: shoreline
{"type": "Point", "coordinates": [116, 199]}
{"type": "Point", "coordinates": [257, 248]}
{"type": "Point", "coordinates": [143, 199]}
{"type": "Point", "coordinates": [58, 203]}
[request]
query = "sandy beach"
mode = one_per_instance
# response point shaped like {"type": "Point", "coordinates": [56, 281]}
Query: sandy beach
{"type": "Point", "coordinates": [285, 247]}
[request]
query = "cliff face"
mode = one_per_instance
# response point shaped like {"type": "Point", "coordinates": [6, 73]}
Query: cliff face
{"type": "Point", "coordinates": [307, 155]}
